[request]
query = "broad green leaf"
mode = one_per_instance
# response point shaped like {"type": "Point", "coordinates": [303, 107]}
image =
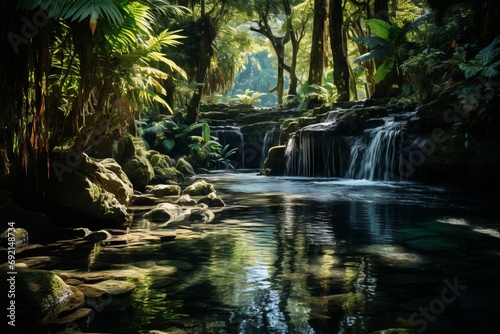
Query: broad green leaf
{"type": "Point", "coordinates": [374, 54]}
{"type": "Point", "coordinates": [384, 69]}
{"type": "Point", "coordinates": [489, 52]}
{"type": "Point", "coordinates": [379, 27]}
{"type": "Point", "coordinates": [372, 41]}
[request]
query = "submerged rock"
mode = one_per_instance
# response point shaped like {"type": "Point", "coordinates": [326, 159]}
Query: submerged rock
{"type": "Point", "coordinates": [199, 188]}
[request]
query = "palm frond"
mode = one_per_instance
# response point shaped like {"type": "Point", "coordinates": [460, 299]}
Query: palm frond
{"type": "Point", "coordinates": [374, 54]}
{"type": "Point", "coordinates": [489, 52]}
{"type": "Point", "coordinates": [372, 41]}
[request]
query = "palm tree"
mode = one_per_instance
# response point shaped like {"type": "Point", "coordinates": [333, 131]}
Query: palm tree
{"type": "Point", "coordinates": [101, 64]}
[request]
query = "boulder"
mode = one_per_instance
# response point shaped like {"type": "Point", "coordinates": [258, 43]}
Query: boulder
{"type": "Point", "coordinates": [89, 191]}
{"type": "Point", "coordinates": [115, 182]}
{"type": "Point", "coordinates": [212, 200]}
{"type": "Point", "coordinates": [201, 215]}
{"type": "Point", "coordinates": [156, 159]}
{"type": "Point", "coordinates": [164, 213]}
{"type": "Point", "coordinates": [275, 163]}
{"type": "Point", "coordinates": [162, 190]}
{"type": "Point", "coordinates": [199, 188]}
{"type": "Point", "coordinates": [40, 296]}
{"type": "Point", "coordinates": [168, 175]}
{"type": "Point", "coordinates": [139, 171]}
{"type": "Point", "coordinates": [185, 167]}
{"type": "Point", "coordinates": [16, 238]}
{"type": "Point", "coordinates": [186, 200]}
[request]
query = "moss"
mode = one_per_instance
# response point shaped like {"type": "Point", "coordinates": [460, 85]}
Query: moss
{"type": "Point", "coordinates": [185, 167]}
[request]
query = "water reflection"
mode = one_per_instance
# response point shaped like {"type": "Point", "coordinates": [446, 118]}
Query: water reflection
{"type": "Point", "coordinates": [292, 255]}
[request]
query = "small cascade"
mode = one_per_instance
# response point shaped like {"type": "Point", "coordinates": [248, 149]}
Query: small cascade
{"type": "Point", "coordinates": [232, 136]}
{"type": "Point", "coordinates": [271, 138]}
{"type": "Point", "coordinates": [320, 150]}
{"type": "Point", "coordinates": [317, 151]}
{"type": "Point", "coordinates": [377, 160]}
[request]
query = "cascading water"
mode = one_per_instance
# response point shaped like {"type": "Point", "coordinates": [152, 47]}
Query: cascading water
{"type": "Point", "coordinates": [378, 159]}
{"type": "Point", "coordinates": [320, 151]}
{"type": "Point", "coordinates": [232, 136]}
{"type": "Point", "coordinates": [271, 138]}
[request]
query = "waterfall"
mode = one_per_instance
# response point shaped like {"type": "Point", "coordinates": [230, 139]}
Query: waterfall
{"type": "Point", "coordinates": [317, 151]}
{"type": "Point", "coordinates": [377, 160]}
{"type": "Point", "coordinates": [232, 136]}
{"type": "Point", "coordinates": [271, 138]}
{"type": "Point", "coordinates": [320, 151]}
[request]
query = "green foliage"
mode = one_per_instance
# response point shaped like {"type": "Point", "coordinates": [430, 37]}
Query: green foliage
{"type": "Point", "coordinates": [326, 93]}
{"type": "Point", "coordinates": [389, 42]}
{"type": "Point", "coordinates": [249, 97]}
{"type": "Point", "coordinates": [484, 63]}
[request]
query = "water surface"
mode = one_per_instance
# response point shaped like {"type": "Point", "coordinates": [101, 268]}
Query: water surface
{"type": "Point", "coordinates": [303, 255]}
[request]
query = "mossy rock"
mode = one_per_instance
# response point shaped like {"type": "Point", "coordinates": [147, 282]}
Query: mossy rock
{"type": "Point", "coordinates": [185, 167]}
{"type": "Point", "coordinates": [170, 175]}
{"type": "Point", "coordinates": [275, 162]}
{"type": "Point", "coordinates": [139, 171]}
{"type": "Point", "coordinates": [156, 159]}
{"type": "Point", "coordinates": [199, 188]}
{"type": "Point", "coordinates": [40, 296]}
{"type": "Point", "coordinates": [162, 190]}
{"type": "Point", "coordinates": [212, 200]}
{"type": "Point", "coordinates": [20, 235]}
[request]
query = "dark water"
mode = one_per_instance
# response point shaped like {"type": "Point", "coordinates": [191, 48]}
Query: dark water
{"type": "Point", "coordinates": [301, 255]}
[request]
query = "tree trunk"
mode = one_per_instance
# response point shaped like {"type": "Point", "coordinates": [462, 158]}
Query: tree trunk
{"type": "Point", "coordinates": [317, 47]}
{"type": "Point", "coordinates": [381, 10]}
{"type": "Point", "coordinates": [340, 66]}
{"type": "Point", "coordinates": [292, 90]}
{"type": "Point", "coordinates": [205, 54]}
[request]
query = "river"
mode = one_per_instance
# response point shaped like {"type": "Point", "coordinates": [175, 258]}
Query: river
{"type": "Point", "coordinates": [305, 255]}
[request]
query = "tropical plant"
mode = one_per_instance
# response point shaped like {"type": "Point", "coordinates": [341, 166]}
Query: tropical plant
{"type": "Point", "coordinates": [224, 155]}
{"type": "Point", "coordinates": [248, 97]}
{"type": "Point", "coordinates": [387, 44]}
{"type": "Point", "coordinates": [203, 151]}
{"type": "Point", "coordinates": [93, 61]}
{"type": "Point", "coordinates": [478, 91]}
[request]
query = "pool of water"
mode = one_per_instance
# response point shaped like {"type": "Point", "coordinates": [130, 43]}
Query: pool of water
{"type": "Point", "coordinates": [302, 255]}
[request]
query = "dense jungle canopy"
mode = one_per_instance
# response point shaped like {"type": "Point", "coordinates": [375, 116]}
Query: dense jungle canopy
{"type": "Point", "coordinates": [72, 70]}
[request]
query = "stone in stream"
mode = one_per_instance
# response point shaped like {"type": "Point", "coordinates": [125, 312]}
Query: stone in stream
{"type": "Point", "coordinates": [202, 215]}
{"type": "Point", "coordinates": [101, 235]}
{"type": "Point", "coordinates": [110, 287]}
{"type": "Point", "coordinates": [185, 167]}
{"type": "Point", "coordinates": [212, 200]}
{"type": "Point", "coordinates": [164, 212]}
{"type": "Point", "coordinates": [199, 188]}
{"type": "Point", "coordinates": [162, 190]}
{"type": "Point", "coordinates": [76, 300]}
{"type": "Point", "coordinates": [40, 296]}
{"type": "Point", "coordinates": [186, 200]}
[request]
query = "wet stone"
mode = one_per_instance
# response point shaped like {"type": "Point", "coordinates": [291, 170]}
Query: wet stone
{"type": "Point", "coordinates": [80, 315]}
{"type": "Point", "coordinates": [76, 300]}
{"type": "Point", "coordinates": [110, 287]}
